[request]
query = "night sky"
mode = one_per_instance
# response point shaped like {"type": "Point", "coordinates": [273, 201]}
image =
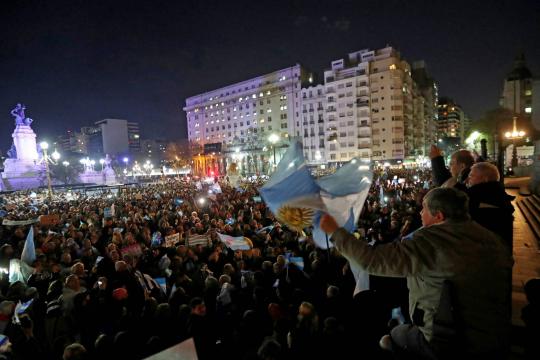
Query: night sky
{"type": "Point", "coordinates": [75, 62]}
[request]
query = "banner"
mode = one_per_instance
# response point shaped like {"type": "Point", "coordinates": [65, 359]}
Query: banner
{"type": "Point", "coordinates": [197, 239]}
{"type": "Point", "coordinates": [236, 243]}
{"type": "Point", "coordinates": [18, 222]}
{"type": "Point", "coordinates": [171, 240]}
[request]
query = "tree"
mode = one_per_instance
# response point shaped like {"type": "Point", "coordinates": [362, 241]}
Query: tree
{"type": "Point", "coordinates": [178, 154]}
{"type": "Point", "coordinates": [496, 122]}
{"type": "Point", "coordinates": [66, 174]}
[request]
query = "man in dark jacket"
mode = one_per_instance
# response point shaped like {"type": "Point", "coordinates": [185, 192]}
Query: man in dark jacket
{"type": "Point", "coordinates": [460, 165]}
{"type": "Point", "coordinates": [489, 204]}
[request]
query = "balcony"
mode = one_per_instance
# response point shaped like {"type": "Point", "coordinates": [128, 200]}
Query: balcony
{"type": "Point", "coordinates": [331, 109]}
{"type": "Point", "coordinates": [362, 103]}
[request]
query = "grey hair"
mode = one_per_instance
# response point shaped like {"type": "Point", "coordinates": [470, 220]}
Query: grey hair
{"type": "Point", "coordinates": [488, 171]}
{"type": "Point", "coordinates": [452, 203]}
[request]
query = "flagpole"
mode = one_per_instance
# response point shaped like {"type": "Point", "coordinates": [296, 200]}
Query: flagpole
{"type": "Point", "coordinates": [327, 247]}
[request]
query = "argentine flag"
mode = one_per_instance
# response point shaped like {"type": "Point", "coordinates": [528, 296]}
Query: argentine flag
{"type": "Point", "coordinates": [341, 194]}
{"type": "Point", "coordinates": [28, 254]}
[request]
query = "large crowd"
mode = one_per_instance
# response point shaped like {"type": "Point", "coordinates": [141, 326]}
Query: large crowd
{"type": "Point", "coordinates": [105, 280]}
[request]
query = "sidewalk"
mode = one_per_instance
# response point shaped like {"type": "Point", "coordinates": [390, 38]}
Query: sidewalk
{"type": "Point", "coordinates": [526, 253]}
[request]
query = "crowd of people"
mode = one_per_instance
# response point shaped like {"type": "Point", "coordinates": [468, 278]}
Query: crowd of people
{"type": "Point", "coordinates": [120, 273]}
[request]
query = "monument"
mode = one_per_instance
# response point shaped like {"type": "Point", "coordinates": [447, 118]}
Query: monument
{"type": "Point", "coordinates": [109, 176]}
{"type": "Point", "coordinates": [23, 169]}
{"type": "Point", "coordinates": [106, 176]}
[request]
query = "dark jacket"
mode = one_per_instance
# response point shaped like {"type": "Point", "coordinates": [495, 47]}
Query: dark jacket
{"type": "Point", "coordinates": [491, 207]}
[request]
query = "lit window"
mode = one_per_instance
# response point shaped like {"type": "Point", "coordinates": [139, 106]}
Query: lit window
{"type": "Point", "coordinates": [528, 92]}
{"type": "Point", "coordinates": [261, 94]}
{"type": "Point", "coordinates": [392, 67]}
{"type": "Point", "coordinates": [254, 96]}
{"type": "Point", "coordinates": [268, 92]}
{"type": "Point", "coordinates": [528, 110]}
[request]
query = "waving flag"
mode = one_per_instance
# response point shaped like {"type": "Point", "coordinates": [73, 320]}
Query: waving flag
{"type": "Point", "coordinates": [28, 254]}
{"type": "Point", "coordinates": [299, 200]}
{"type": "Point", "coordinates": [235, 243]}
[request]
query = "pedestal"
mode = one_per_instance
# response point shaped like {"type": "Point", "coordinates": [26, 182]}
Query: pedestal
{"type": "Point", "coordinates": [92, 177]}
{"type": "Point", "coordinates": [22, 174]}
{"type": "Point", "coordinates": [25, 143]}
{"type": "Point", "coordinates": [109, 176]}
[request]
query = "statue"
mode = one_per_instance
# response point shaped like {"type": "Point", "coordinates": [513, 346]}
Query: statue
{"type": "Point", "coordinates": [12, 152]}
{"type": "Point", "coordinates": [107, 162]}
{"type": "Point", "coordinates": [20, 118]}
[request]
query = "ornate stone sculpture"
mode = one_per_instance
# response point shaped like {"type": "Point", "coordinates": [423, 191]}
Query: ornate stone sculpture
{"type": "Point", "coordinates": [20, 118]}
{"type": "Point", "coordinates": [12, 152]}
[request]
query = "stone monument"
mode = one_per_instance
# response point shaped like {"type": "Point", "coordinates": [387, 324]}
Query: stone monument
{"type": "Point", "coordinates": [89, 175]}
{"type": "Point", "coordinates": [23, 169]}
{"type": "Point", "coordinates": [109, 176]}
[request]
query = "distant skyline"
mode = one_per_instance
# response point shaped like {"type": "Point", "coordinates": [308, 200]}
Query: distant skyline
{"type": "Point", "coordinates": [76, 62]}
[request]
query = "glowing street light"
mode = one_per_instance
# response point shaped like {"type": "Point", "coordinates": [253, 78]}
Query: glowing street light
{"type": "Point", "coordinates": [274, 138]}
{"type": "Point", "coordinates": [44, 146]}
{"type": "Point", "coordinates": [514, 135]}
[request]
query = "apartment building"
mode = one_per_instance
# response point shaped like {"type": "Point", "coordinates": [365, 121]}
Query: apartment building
{"type": "Point", "coordinates": [368, 106]}
{"type": "Point", "coordinates": [312, 124]}
{"type": "Point", "coordinates": [452, 121]}
{"type": "Point", "coordinates": [242, 116]}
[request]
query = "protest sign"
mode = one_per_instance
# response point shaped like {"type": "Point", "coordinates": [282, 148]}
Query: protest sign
{"type": "Point", "coordinates": [49, 220]}
{"type": "Point", "coordinates": [171, 240]}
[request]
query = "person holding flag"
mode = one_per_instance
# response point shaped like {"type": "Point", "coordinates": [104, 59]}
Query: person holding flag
{"type": "Point", "coordinates": [457, 274]}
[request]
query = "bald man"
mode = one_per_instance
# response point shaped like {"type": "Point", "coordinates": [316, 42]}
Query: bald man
{"type": "Point", "coordinates": [459, 167]}
{"type": "Point", "coordinates": [490, 205]}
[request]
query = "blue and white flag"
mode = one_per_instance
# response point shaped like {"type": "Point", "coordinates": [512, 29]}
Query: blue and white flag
{"type": "Point", "coordinates": [299, 200]}
{"type": "Point", "coordinates": [235, 243]}
{"type": "Point", "coordinates": [28, 254]}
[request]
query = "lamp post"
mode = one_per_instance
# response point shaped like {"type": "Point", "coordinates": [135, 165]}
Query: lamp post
{"type": "Point", "coordinates": [514, 135]}
{"type": "Point", "coordinates": [55, 155]}
{"type": "Point", "coordinates": [274, 138]}
{"type": "Point", "coordinates": [102, 161]}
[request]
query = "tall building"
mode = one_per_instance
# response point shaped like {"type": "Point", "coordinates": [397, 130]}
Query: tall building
{"type": "Point", "coordinates": [311, 127]}
{"type": "Point", "coordinates": [119, 137]}
{"type": "Point", "coordinates": [452, 122]}
{"type": "Point", "coordinates": [429, 91]}
{"type": "Point", "coordinates": [134, 137]}
{"type": "Point", "coordinates": [373, 108]}
{"type": "Point", "coordinates": [368, 107]}
{"type": "Point", "coordinates": [518, 88]}
{"type": "Point", "coordinates": [243, 115]}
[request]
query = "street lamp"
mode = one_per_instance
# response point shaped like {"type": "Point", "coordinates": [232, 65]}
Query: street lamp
{"type": "Point", "coordinates": [102, 161]}
{"type": "Point", "coordinates": [55, 155]}
{"type": "Point", "coordinates": [514, 135]}
{"type": "Point", "coordinates": [274, 138]}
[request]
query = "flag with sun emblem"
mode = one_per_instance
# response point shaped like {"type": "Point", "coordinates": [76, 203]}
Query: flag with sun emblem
{"type": "Point", "coordinates": [299, 200]}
